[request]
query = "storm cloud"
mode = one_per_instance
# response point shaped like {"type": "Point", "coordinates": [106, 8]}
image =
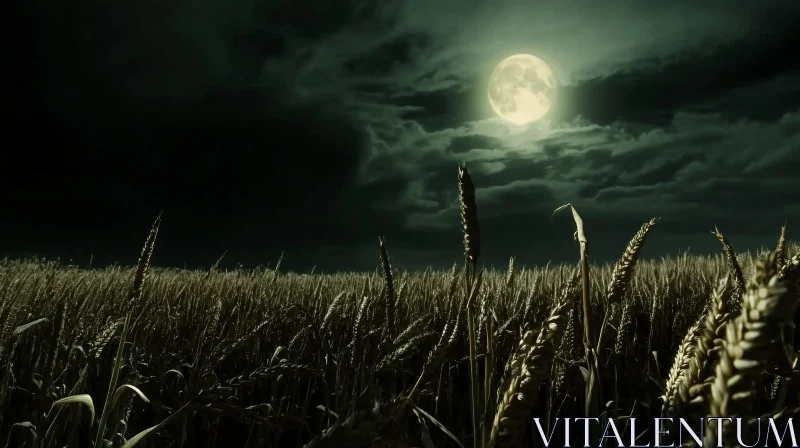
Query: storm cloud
{"type": "Point", "coordinates": [259, 127]}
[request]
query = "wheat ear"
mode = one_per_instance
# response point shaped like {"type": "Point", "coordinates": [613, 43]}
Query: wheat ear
{"type": "Point", "coordinates": [683, 358]}
{"type": "Point", "coordinates": [736, 275]}
{"type": "Point", "coordinates": [780, 249]}
{"type": "Point", "coordinates": [766, 308]}
{"type": "Point", "coordinates": [527, 368]}
{"type": "Point", "coordinates": [709, 340]}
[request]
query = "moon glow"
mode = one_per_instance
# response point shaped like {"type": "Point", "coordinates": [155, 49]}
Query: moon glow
{"type": "Point", "coordinates": [522, 89]}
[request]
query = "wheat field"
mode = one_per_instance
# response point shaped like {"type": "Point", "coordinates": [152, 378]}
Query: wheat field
{"type": "Point", "coordinates": [249, 358]}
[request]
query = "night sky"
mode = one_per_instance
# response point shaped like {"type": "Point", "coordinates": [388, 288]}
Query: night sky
{"type": "Point", "coordinates": [315, 126]}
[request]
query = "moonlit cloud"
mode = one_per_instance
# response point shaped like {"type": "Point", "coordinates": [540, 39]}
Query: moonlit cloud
{"type": "Point", "coordinates": [260, 127]}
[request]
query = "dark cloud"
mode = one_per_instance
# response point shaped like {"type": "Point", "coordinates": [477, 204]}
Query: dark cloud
{"type": "Point", "coordinates": [515, 199]}
{"type": "Point", "coordinates": [116, 121]}
{"type": "Point", "coordinates": [466, 143]}
{"type": "Point", "coordinates": [316, 19]}
{"type": "Point", "coordinates": [651, 90]}
{"type": "Point", "coordinates": [517, 168]}
{"type": "Point", "coordinates": [440, 109]}
{"type": "Point", "coordinates": [313, 127]}
{"type": "Point", "coordinates": [387, 57]}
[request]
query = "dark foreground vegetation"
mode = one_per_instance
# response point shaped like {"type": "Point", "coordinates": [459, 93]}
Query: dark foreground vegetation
{"type": "Point", "coordinates": [173, 358]}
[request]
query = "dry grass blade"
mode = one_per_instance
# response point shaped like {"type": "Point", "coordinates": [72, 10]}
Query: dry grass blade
{"type": "Point", "coordinates": [28, 429]}
{"type": "Point", "coordinates": [133, 441]}
{"type": "Point", "coordinates": [121, 391]}
{"type": "Point", "coordinates": [83, 399]}
{"type": "Point", "coordinates": [23, 328]}
{"type": "Point", "coordinates": [430, 418]}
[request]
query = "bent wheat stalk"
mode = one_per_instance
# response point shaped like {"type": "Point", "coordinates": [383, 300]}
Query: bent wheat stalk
{"type": "Point", "coordinates": [685, 355]}
{"type": "Point", "coordinates": [692, 388]}
{"type": "Point", "coordinates": [592, 380]}
{"type": "Point", "coordinates": [621, 276]}
{"type": "Point", "coordinates": [735, 275]}
{"type": "Point", "coordinates": [527, 368]}
{"type": "Point", "coordinates": [766, 308]}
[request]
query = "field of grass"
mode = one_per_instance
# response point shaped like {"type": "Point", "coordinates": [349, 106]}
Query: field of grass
{"type": "Point", "coordinates": [116, 356]}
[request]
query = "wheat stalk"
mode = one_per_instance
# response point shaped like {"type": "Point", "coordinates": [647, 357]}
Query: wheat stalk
{"type": "Point", "coordinates": [749, 342]}
{"type": "Point", "coordinates": [389, 294]}
{"type": "Point", "coordinates": [622, 273]}
{"type": "Point", "coordinates": [693, 387]}
{"type": "Point", "coordinates": [526, 369]}
{"type": "Point", "coordinates": [683, 358]}
{"type": "Point", "coordinates": [472, 251]}
{"type": "Point", "coordinates": [736, 275]}
{"type": "Point", "coordinates": [623, 269]}
{"type": "Point", "coordinates": [780, 249]}
{"type": "Point", "coordinates": [469, 215]}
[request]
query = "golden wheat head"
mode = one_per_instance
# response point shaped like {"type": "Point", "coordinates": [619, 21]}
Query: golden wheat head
{"type": "Point", "coordinates": [469, 215]}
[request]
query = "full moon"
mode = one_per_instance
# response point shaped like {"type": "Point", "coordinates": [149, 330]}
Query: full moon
{"type": "Point", "coordinates": [522, 89]}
